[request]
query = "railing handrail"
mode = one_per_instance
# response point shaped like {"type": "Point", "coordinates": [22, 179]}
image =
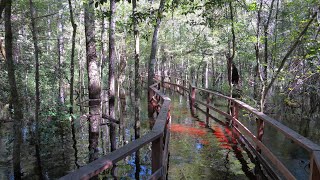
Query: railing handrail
{"type": "Point", "coordinates": [107, 161]}
{"type": "Point", "coordinates": [288, 132]}
{"type": "Point", "coordinates": [311, 147]}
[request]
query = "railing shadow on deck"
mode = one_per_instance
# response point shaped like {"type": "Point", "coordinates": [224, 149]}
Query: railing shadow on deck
{"type": "Point", "coordinates": [158, 136]}
{"type": "Point", "coordinates": [260, 150]}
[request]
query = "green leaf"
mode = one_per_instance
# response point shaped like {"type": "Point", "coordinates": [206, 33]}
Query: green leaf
{"type": "Point", "coordinates": [252, 6]}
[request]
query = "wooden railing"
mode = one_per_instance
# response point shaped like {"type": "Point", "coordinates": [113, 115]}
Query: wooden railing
{"type": "Point", "coordinates": [159, 137]}
{"type": "Point", "coordinates": [260, 148]}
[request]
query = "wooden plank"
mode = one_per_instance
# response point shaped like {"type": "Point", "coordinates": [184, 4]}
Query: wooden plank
{"type": "Point", "coordinates": [161, 120]}
{"type": "Point", "coordinates": [215, 109]}
{"type": "Point", "coordinates": [266, 152]}
{"type": "Point", "coordinates": [158, 174]}
{"type": "Point", "coordinates": [157, 154]}
{"type": "Point", "coordinates": [252, 150]}
{"type": "Point", "coordinates": [208, 110]}
{"type": "Point", "coordinates": [289, 133]}
{"type": "Point", "coordinates": [166, 154]}
{"type": "Point", "coordinates": [212, 117]}
{"type": "Point", "coordinates": [315, 166]}
{"type": "Point", "coordinates": [192, 97]}
{"type": "Point", "coordinates": [105, 162]}
{"type": "Point", "coordinates": [163, 96]}
{"type": "Point", "coordinates": [215, 93]}
{"type": "Point", "coordinates": [178, 85]}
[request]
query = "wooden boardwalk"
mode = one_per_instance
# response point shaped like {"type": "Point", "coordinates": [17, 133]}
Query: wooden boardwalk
{"type": "Point", "coordinates": [159, 136]}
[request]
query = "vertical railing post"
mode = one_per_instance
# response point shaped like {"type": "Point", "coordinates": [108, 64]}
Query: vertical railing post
{"type": "Point", "coordinates": [260, 131]}
{"type": "Point", "coordinates": [315, 166]}
{"type": "Point", "coordinates": [208, 110]}
{"type": "Point", "coordinates": [150, 105]}
{"type": "Point", "coordinates": [157, 154]}
{"type": "Point", "coordinates": [192, 97]}
{"type": "Point", "coordinates": [235, 111]}
{"type": "Point", "coordinates": [235, 117]}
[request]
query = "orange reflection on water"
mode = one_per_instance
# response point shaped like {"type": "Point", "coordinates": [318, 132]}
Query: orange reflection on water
{"type": "Point", "coordinates": [180, 128]}
{"type": "Point", "coordinates": [202, 124]}
{"type": "Point", "coordinates": [224, 142]}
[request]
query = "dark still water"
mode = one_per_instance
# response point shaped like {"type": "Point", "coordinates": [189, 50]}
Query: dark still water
{"type": "Point", "coordinates": [61, 155]}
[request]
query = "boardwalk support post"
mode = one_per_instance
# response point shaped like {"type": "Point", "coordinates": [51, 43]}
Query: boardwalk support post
{"type": "Point", "coordinates": [192, 97]}
{"type": "Point", "coordinates": [157, 154]}
{"type": "Point", "coordinates": [235, 111]}
{"type": "Point", "coordinates": [315, 165]}
{"type": "Point", "coordinates": [260, 131]}
{"type": "Point", "coordinates": [208, 110]}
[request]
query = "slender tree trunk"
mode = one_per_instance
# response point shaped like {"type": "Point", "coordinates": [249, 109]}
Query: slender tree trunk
{"type": "Point", "coordinates": [94, 86]}
{"type": "Point", "coordinates": [154, 47]}
{"type": "Point", "coordinates": [233, 76]}
{"type": "Point", "coordinates": [288, 54]}
{"type": "Point", "coordinates": [81, 76]}
{"type": "Point", "coordinates": [112, 62]}
{"type": "Point", "coordinates": [230, 57]}
{"type": "Point", "coordinates": [257, 74]}
{"type": "Point", "coordinates": [15, 100]}
{"type": "Point", "coordinates": [103, 52]}
{"type": "Point", "coordinates": [61, 59]}
{"type": "Point", "coordinates": [136, 71]}
{"type": "Point", "coordinates": [265, 64]}
{"type": "Point", "coordinates": [73, 41]}
{"type": "Point", "coordinates": [37, 80]}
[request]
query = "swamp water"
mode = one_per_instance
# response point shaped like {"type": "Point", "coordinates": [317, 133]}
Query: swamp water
{"type": "Point", "coordinates": [196, 151]}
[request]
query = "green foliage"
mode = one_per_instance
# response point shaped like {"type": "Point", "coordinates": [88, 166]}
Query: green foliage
{"type": "Point", "coordinates": [252, 6]}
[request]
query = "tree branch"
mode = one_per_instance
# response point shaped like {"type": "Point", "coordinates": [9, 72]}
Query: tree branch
{"type": "Point", "coordinates": [293, 46]}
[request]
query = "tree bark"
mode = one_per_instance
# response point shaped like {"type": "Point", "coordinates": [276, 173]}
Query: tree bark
{"type": "Point", "coordinates": [265, 64]}
{"type": "Point", "coordinates": [37, 80]}
{"type": "Point", "coordinates": [112, 62]}
{"type": "Point", "coordinates": [94, 86]}
{"type": "Point", "coordinates": [136, 71]}
{"type": "Point", "coordinates": [15, 99]}
{"type": "Point", "coordinates": [61, 59]}
{"type": "Point", "coordinates": [154, 47]}
{"type": "Point", "coordinates": [73, 41]}
{"type": "Point", "coordinates": [257, 53]}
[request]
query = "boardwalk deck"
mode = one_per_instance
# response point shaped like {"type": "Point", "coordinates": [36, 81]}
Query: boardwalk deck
{"type": "Point", "coordinates": [160, 135]}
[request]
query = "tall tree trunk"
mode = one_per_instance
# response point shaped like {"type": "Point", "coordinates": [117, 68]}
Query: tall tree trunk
{"type": "Point", "coordinates": [37, 80]}
{"type": "Point", "coordinates": [94, 86]}
{"type": "Point", "coordinates": [136, 71]}
{"type": "Point", "coordinates": [73, 40]}
{"type": "Point", "coordinates": [257, 74]}
{"type": "Point", "coordinates": [230, 57]}
{"type": "Point", "coordinates": [81, 71]}
{"type": "Point", "coordinates": [154, 47]}
{"type": "Point", "coordinates": [103, 52]}
{"type": "Point", "coordinates": [15, 100]}
{"type": "Point", "coordinates": [112, 62]}
{"type": "Point", "coordinates": [61, 59]}
{"type": "Point", "coordinates": [213, 73]}
{"type": "Point", "coordinates": [265, 64]}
